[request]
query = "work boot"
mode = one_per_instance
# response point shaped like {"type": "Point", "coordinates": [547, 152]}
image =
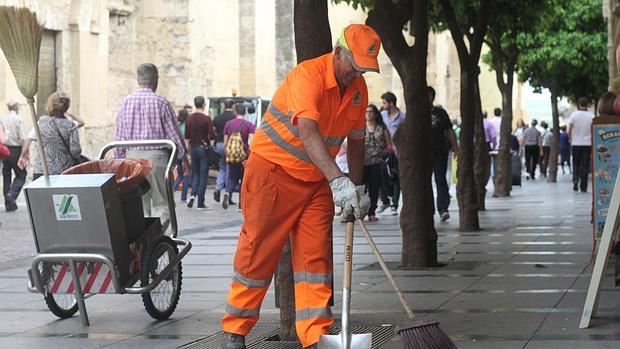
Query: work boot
{"type": "Point", "coordinates": [233, 341]}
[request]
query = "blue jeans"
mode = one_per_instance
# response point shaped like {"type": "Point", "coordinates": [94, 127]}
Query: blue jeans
{"type": "Point", "coordinates": [440, 165]}
{"type": "Point", "coordinates": [200, 173]}
{"type": "Point", "coordinates": [181, 178]}
{"type": "Point", "coordinates": [222, 174]}
{"type": "Point", "coordinates": [235, 174]}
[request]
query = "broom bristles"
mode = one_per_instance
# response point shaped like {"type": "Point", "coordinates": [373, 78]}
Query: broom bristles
{"type": "Point", "coordinates": [425, 337]}
{"type": "Point", "coordinates": [20, 41]}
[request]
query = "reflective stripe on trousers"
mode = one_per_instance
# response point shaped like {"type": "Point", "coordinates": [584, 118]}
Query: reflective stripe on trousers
{"type": "Point", "coordinates": [277, 206]}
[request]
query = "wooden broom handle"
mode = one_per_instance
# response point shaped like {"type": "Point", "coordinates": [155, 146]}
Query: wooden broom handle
{"type": "Point", "coordinates": [348, 255]}
{"type": "Point", "coordinates": [387, 271]}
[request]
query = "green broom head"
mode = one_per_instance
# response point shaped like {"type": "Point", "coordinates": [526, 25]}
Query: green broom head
{"type": "Point", "coordinates": [20, 40]}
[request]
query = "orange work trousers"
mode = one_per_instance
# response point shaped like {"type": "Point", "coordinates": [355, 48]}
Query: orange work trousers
{"type": "Point", "coordinates": [275, 207]}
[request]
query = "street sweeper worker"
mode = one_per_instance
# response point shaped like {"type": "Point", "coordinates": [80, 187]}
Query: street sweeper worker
{"type": "Point", "coordinates": [292, 182]}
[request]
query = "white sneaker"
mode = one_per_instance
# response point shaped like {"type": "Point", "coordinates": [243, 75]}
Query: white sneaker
{"type": "Point", "coordinates": [444, 216]}
{"type": "Point", "coordinates": [190, 202]}
{"type": "Point", "coordinates": [393, 211]}
{"type": "Point", "coordinates": [382, 208]}
{"type": "Point", "coordinates": [225, 201]}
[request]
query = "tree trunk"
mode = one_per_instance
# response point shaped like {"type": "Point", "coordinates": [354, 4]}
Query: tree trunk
{"type": "Point", "coordinates": [555, 140]}
{"type": "Point", "coordinates": [312, 39]}
{"type": "Point", "coordinates": [466, 189]}
{"type": "Point", "coordinates": [313, 36]}
{"type": "Point", "coordinates": [504, 60]}
{"type": "Point", "coordinates": [419, 238]}
{"type": "Point", "coordinates": [286, 295]}
{"type": "Point", "coordinates": [468, 60]}
{"type": "Point", "coordinates": [503, 178]}
{"type": "Point", "coordinates": [481, 158]}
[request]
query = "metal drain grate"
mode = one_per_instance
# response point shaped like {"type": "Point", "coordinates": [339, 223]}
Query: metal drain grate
{"type": "Point", "coordinates": [214, 341]}
{"type": "Point", "coordinates": [265, 337]}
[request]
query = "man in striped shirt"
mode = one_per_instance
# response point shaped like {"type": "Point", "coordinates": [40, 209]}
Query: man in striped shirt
{"type": "Point", "coordinates": [144, 115]}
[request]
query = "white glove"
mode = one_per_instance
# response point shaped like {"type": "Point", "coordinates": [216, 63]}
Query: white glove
{"type": "Point", "coordinates": [351, 198]}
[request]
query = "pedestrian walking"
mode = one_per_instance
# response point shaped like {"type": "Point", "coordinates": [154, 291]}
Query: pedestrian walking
{"type": "Point", "coordinates": [145, 115]}
{"type": "Point", "coordinates": [60, 136]}
{"type": "Point", "coordinates": [238, 135]}
{"type": "Point", "coordinates": [442, 136]}
{"type": "Point", "coordinates": [182, 177]}
{"type": "Point", "coordinates": [376, 142]}
{"type": "Point", "coordinates": [393, 117]}
{"type": "Point", "coordinates": [547, 137]}
{"type": "Point", "coordinates": [219, 122]}
{"type": "Point", "coordinates": [532, 142]}
{"type": "Point", "coordinates": [497, 126]}
{"type": "Point", "coordinates": [490, 136]}
{"type": "Point", "coordinates": [199, 132]}
{"type": "Point", "coordinates": [579, 132]}
{"type": "Point", "coordinates": [15, 141]}
{"type": "Point", "coordinates": [289, 175]}
{"type": "Point", "coordinates": [565, 149]}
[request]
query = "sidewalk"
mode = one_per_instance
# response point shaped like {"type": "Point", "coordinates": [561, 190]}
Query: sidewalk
{"type": "Point", "coordinates": [519, 283]}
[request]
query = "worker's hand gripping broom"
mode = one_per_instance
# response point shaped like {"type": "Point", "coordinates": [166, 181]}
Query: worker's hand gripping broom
{"type": "Point", "coordinates": [20, 40]}
{"type": "Point", "coordinates": [419, 334]}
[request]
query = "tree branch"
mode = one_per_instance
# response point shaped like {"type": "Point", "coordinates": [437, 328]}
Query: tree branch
{"type": "Point", "coordinates": [381, 19]}
{"type": "Point", "coordinates": [480, 30]}
{"type": "Point", "coordinates": [455, 30]}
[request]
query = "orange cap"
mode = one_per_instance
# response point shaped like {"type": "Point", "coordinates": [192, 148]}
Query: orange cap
{"type": "Point", "coordinates": [363, 44]}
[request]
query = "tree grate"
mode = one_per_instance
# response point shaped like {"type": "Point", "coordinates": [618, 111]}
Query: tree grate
{"type": "Point", "coordinates": [266, 337]}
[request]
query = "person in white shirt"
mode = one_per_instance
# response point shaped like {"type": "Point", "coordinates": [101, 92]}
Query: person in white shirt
{"type": "Point", "coordinates": [497, 124]}
{"type": "Point", "coordinates": [579, 133]}
{"type": "Point", "coordinates": [15, 139]}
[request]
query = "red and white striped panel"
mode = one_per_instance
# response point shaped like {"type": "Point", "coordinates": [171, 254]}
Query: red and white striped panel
{"type": "Point", "coordinates": [99, 280]}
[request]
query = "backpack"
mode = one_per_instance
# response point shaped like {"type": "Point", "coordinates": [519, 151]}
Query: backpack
{"type": "Point", "coordinates": [235, 150]}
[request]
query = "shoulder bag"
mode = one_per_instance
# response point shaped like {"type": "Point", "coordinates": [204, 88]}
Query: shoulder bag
{"type": "Point", "coordinates": [213, 157]}
{"type": "Point", "coordinates": [81, 159]}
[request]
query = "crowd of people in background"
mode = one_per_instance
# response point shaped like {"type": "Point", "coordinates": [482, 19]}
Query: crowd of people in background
{"type": "Point", "coordinates": [229, 135]}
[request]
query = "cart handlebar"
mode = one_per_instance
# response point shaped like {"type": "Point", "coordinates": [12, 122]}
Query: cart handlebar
{"type": "Point", "coordinates": [165, 143]}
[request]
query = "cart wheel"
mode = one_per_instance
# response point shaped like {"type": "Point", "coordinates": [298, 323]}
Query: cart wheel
{"type": "Point", "coordinates": [62, 305]}
{"type": "Point", "coordinates": [161, 302]}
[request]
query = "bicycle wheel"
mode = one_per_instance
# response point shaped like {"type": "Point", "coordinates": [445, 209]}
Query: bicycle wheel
{"type": "Point", "coordinates": [161, 301]}
{"type": "Point", "coordinates": [62, 305]}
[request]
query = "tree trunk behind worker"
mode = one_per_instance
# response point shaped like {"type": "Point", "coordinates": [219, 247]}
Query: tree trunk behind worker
{"type": "Point", "coordinates": [312, 39]}
{"type": "Point", "coordinates": [419, 238]}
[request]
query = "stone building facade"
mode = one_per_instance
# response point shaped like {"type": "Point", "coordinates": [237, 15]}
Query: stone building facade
{"type": "Point", "coordinates": [91, 49]}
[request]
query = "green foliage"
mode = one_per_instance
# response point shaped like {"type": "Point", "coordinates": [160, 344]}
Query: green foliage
{"type": "Point", "coordinates": [567, 53]}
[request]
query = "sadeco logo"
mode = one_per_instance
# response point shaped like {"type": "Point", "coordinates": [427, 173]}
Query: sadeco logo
{"type": "Point", "coordinates": [67, 207]}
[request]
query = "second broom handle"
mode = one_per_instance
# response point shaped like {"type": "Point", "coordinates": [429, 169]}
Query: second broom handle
{"type": "Point", "coordinates": [387, 271]}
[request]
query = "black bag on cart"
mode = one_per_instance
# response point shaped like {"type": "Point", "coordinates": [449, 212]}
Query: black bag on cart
{"type": "Point", "coordinates": [516, 168]}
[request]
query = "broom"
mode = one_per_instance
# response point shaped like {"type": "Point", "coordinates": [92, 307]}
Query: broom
{"type": "Point", "coordinates": [20, 41]}
{"type": "Point", "coordinates": [418, 334]}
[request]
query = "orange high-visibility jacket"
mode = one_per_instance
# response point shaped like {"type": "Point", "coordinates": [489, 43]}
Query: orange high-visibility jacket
{"type": "Point", "coordinates": [310, 91]}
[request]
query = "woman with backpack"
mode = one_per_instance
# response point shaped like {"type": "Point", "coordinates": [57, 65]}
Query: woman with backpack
{"type": "Point", "coordinates": [238, 134]}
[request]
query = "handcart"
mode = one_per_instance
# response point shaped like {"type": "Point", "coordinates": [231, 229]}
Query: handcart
{"type": "Point", "coordinates": [90, 239]}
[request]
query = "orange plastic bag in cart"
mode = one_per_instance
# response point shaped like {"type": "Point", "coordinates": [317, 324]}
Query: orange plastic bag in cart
{"type": "Point", "coordinates": [129, 173]}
